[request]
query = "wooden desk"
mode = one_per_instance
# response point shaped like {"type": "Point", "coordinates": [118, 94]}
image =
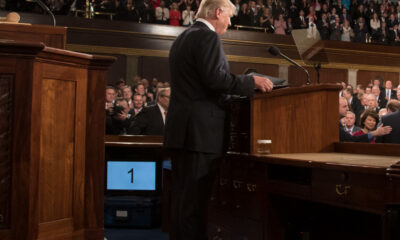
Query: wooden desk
{"type": "Point", "coordinates": [306, 196]}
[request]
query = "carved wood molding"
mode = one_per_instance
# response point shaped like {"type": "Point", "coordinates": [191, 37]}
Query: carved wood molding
{"type": "Point", "coordinates": [5, 149]}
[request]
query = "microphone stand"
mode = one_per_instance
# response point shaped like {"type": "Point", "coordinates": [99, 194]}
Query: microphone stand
{"type": "Point", "coordinates": [45, 8]}
{"type": "Point", "coordinates": [298, 65]}
{"type": "Point", "coordinates": [317, 67]}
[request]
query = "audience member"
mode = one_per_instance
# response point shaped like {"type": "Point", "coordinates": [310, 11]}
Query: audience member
{"type": "Point", "coordinates": [140, 89]}
{"type": "Point", "coordinates": [389, 93]}
{"type": "Point", "coordinates": [379, 98]}
{"type": "Point", "coordinates": [187, 16]}
{"type": "Point", "coordinates": [280, 25]}
{"type": "Point", "coordinates": [119, 122]}
{"type": "Point", "coordinates": [151, 121]}
{"type": "Point", "coordinates": [354, 103]}
{"type": "Point", "coordinates": [162, 13]}
{"type": "Point", "coordinates": [393, 106]}
{"type": "Point", "coordinates": [349, 123]}
{"type": "Point", "coordinates": [382, 111]}
{"type": "Point", "coordinates": [369, 121]}
{"type": "Point", "coordinates": [127, 95]}
{"type": "Point", "coordinates": [174, 15]}
{"type": "Point", "coordinates": [110, 99]}
{"type": "Point", "coordinates": [137, 104]}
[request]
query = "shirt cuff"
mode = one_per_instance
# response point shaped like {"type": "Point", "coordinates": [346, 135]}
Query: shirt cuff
{"type": "Point", "coordinates": [370, 137]}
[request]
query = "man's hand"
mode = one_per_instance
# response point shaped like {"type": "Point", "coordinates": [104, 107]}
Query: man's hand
{"type": "Point", "coordinates": [382, 130]}
{"type": "Point", "coordinates": [264, 84]}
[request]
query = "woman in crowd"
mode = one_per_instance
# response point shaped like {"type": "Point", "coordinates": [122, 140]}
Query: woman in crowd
{"type": "Point", "coordinates": [267, 21]}
{"type": "Point", "coordinates": [280, 25]}
{"type": "Point", "coordinates": [174, 15]}
{"type": "Point", "coordinates": [375, 24]}
{"type": "Point", "coordinates": [369, 120]}
{"type": "Point", "coordinates": [187, 16]}
{"type": "Point", "coordinates": [347, 32]}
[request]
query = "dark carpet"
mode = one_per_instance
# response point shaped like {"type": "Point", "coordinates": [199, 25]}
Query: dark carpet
{"type": "Point", "coordinates": [135, 234]}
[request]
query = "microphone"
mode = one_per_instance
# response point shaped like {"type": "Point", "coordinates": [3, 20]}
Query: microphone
{"type": "Point", "coordinates": [275, 51]}
{"type": "Point", "coordinates": [45, 8]}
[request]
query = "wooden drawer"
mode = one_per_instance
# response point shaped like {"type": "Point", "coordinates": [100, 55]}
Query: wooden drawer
{"type": "Point", "coordinates": [359, 190]}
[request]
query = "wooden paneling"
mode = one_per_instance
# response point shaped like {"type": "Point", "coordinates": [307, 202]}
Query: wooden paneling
{"type": "Point", "coordinates": [158, 67]}
{"type": "Point", "coordinates": [366, 77]}
{"type": "Point", "coordinates": [6, 82]}
{"type": "Point", "coordinates": [62, 156]}
{"type": "Point", "coordinates": [327, 75]}
{"type": "Point", "coordinates": [57, 150]}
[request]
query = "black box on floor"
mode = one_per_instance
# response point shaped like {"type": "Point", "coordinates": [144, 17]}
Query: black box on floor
{"type": "Point", "coordinates": [132, 211]}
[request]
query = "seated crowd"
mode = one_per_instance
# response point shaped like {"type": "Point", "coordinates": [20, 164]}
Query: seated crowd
{"type": "Point", "coordinates": [363, 111]}
{"type": "Point", "coordinates": [137, 110]}
{"type": "Point", "coordinates": [342, 20]}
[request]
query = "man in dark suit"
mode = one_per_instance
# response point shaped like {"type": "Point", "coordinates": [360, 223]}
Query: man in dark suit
{"type": "Point", "coordinates": [393, 120]}
{"type": "Point", "coordinates": [151, 120]}
{"type": "Point", "coordinates": [388, 93]}
{"type": "Point", "coordinates": [354, 102]}
{"type": "Point", "coordinates": [195, 126]}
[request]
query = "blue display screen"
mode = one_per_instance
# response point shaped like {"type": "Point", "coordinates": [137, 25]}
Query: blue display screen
{"type": "Point", "coordinates": [131, 175]}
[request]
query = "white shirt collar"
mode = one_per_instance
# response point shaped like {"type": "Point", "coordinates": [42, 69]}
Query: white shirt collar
{"type": "Point", "coordinates": [207, 23]}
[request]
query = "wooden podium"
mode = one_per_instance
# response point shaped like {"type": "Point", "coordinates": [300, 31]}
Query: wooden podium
{"type": "Point", "coordinates": [51, 36]}
{"type": "Point", "coordinates": [297, 119]}
{"type": "Point", "coordinates": [51, 142]}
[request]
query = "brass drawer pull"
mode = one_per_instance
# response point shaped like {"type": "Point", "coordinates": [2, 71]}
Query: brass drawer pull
{"type": "Point", "coordinates": [251, 187]}
{"type": "Point", "coordinates": [342, 190]}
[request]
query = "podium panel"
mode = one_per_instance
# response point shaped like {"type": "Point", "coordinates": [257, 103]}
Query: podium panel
{"type": "Point", "coordinates": [44, 139]}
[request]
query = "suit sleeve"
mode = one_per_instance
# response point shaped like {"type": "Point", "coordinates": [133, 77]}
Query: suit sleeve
{"type": "Point", "coordinates": [214, 68]}
{"type": "Point", "coordinates": [138, 125]}
{"type": "Point", "coordinates": [346, 137]}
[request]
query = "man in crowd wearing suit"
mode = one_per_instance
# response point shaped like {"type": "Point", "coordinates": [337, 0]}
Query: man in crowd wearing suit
{"type": "Point", "coordinates": [151, 120]}
{"type": "Point", "coordinates": [392, 119]}
{"type": "Point", "coordinates": [355, 104]}
{"type": "Point", "coordinates": [201, 83]}
{"type": "Point", "coordinates": [389, 93]}
{"type": "Point", "coordinates": [349, 123]}
{"type": "Point", "coordinates": [379, 98]}
{"type": "Point", "coordinates": [137, 104]}
{"type": "Point", "coordinates": [119, 122]}
{"type": "Point", "coordinates": [346, 137]}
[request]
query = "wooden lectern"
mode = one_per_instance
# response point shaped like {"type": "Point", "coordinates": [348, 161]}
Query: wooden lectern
{"type": "Point", "coordinates": [51, 36]}
{"type": "Point", "coordinates": [51, 142]}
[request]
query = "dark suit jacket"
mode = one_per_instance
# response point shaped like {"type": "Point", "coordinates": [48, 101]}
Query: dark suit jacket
{"type": "Point", "coordinates": [200, 78]}
{"type": "Point", "coordinates": [148, 122]}
{"type": "Point", "coordinates": [393, 120]}
{"type": "Point", "coordinates": [346, 137]}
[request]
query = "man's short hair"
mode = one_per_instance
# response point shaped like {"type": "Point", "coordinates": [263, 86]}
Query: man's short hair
{"type": "Point", "coordinates": [350, 112]}
{"type": "Point", "coordinates": [208, 7]}
{"type": "Point", "coordinates": [349, 91]}
{"type": "Point", "coordinates": [119, 99]}
{"type": "Point", "coordinates": [393, 105]}
{"type": "Point", "coordinates": [161, 92]}
{"type": "Point", "coordinates": [138, 84]}
{"type": "Point", "coordinates": [137, 94]}
{"type": "Point", "coordinates": [126, 86]}
{"type": "Point", "coordinates": [110, 87]}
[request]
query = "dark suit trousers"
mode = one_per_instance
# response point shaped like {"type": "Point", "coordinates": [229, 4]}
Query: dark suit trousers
{"type": "Point", "coordinates": [192, 176]}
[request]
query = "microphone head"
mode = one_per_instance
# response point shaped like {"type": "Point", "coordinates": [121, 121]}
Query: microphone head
{"type": "Point", "coordinates": [274, 50]}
